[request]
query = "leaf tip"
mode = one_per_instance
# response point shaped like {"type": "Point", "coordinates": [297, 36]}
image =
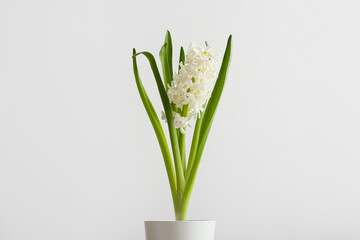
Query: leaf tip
{"type": "Point", "coordinates": [134, 53]}
{"type": "Point", "coordinates": [163, 49]}
{"type": "Point", "coordinates": [168, 37]}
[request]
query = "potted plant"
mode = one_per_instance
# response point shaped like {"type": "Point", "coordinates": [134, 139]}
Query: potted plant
{"type": "Point", "coordinates": [190, 94]}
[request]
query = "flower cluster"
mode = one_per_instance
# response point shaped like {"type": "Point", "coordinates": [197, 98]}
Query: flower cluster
{"type": "Point", "coordinates": [191, 87]}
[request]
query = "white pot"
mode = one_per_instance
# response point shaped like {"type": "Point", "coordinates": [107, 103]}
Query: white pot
{"type": "Point", "coordinates": [180, 230]}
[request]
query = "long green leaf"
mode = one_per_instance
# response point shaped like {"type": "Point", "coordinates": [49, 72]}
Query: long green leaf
{"type": "Point", "coordinates": [166, 60]}
{"type": "Point", "coordinates": [194, 145]}
{"type": "Point", "coordinates": [165, 65]}
{"type": "Point", "coordinates": [170, 120]}
{"type": "Point", "coordinates": [216, 93]}
{"type": "Point", "coordinates": [169, 54]}
{"type": "Point", "coordinates": [207, 121]}
{"type": "Point", "coordinates": [182, 56]}
{"type": "Point", "coordinates": [158, 130]}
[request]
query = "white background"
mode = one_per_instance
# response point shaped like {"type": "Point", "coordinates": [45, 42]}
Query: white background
{"type": "Point", "coordinates": [78, 156]}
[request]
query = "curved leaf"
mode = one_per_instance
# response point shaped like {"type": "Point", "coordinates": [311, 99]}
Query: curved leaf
{"type": "Point", "coordinates": [170, 119]}
{"type": "Point", "coordinates": [158, 130]}
{"type": "Point", "coordinates": [207, 121]}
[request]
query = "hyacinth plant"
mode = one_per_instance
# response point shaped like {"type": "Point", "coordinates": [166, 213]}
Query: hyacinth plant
{"type": "Point", "coordinates": [189, 95]}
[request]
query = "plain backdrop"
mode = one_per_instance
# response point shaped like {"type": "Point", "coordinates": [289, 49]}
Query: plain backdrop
{"type": "Point", "coordinates": [79, 158]}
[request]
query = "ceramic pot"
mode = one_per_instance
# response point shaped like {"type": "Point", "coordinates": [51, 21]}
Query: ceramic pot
{"type": "Point", "coordinates": [180, 230]}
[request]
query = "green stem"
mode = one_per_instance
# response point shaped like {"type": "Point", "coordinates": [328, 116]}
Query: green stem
{"type": "Point", "coordinates": [182, 138]}
{"type": "Point", "coordinates": [182, 150]}
{"type": "Point", "coordinates": [180, 211]}
{"type": "Point", "coordinates": [191, 178]}
{"type": "Point", "coordinates": [181, 214]}
{"type": "Point", "coordinates": [194, 145]}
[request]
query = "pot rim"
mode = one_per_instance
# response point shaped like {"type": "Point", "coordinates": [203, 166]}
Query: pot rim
{"type": "Point", "coordinates": [174, 221]}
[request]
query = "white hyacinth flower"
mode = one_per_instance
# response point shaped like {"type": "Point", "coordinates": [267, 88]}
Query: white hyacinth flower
{"type": "Point", "coordinates": [194, 82]}
{"type": "Point", "coordinates": [163, 116]}
{"type": "Point", "coordinates": [180, 122]}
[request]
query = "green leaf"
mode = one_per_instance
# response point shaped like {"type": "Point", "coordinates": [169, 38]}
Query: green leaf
{"type": "Point", "coordinates": [182, 56]}
{"type": "Point", "coordinates": [158, 130]}
{"type": "Point", "coordinates": [170, 120]}
{"type": "Point", "coordinates": [207, 121]}
{"type": "Point", "coordinates": [165, 66]}
{"type": "Point", "coordinates": [216, 94]}
{"type": "Point", "coordinates": [169, 48]}
{"type": "Point", "coordinates": [194, 145]}
{"type": "Point", "coordinates": [166, 60]}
